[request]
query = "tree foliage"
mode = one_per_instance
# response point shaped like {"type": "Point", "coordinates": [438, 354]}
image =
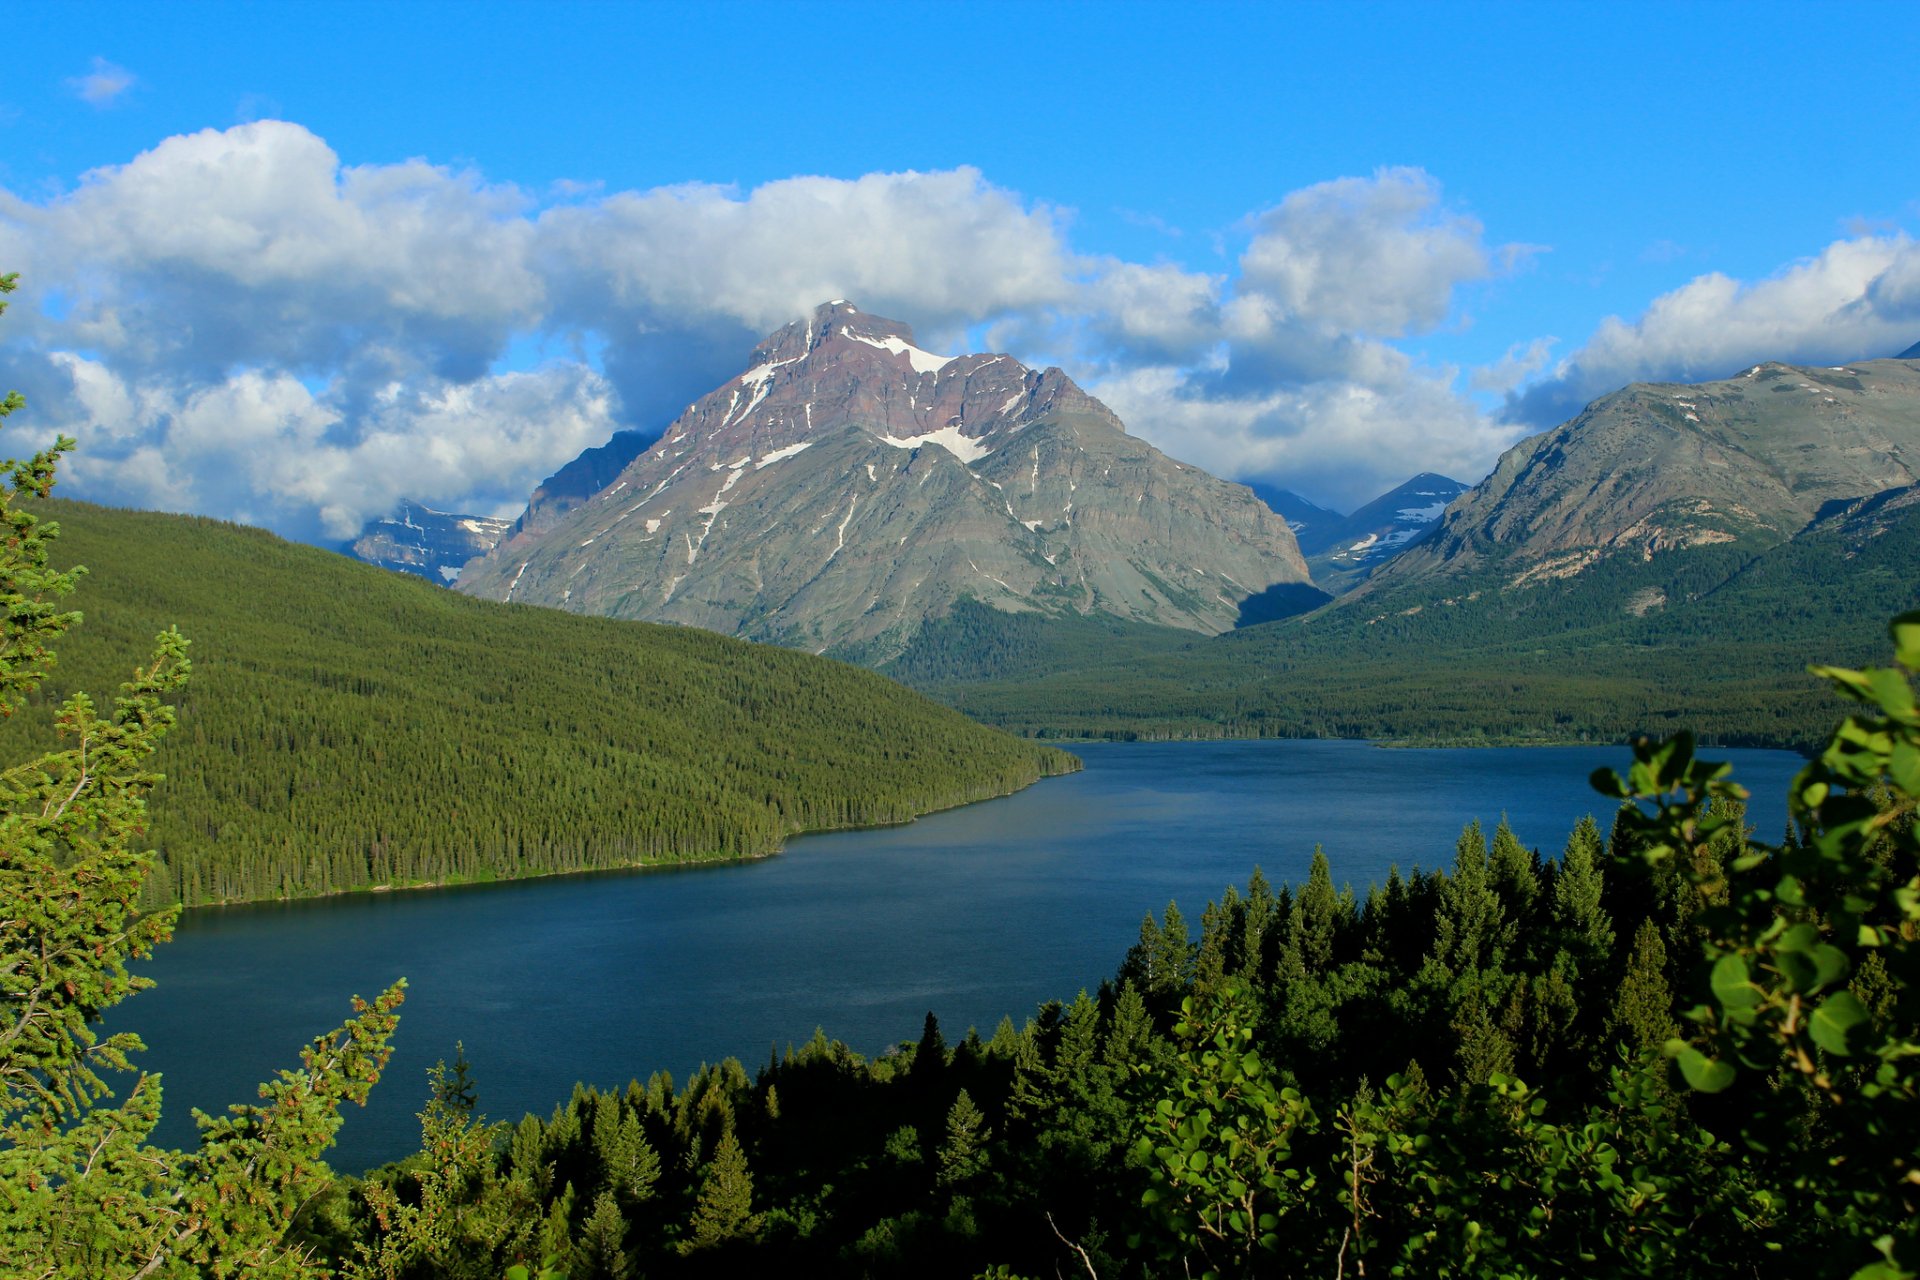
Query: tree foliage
{"type": "Point", "coordinates": [85, 1196]}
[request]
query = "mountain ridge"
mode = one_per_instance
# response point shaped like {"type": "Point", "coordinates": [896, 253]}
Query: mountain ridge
{"type": "Point", "coordinates": [850, 485]}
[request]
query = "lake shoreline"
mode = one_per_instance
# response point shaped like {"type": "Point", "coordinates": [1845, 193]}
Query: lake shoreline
{"type": "Point", "coordinates": [689, 863]}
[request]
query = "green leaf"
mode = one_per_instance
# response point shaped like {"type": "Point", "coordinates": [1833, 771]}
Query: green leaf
{"type": "Point", "coordinates": [1905, 631]}
{"type": "Point", "coordinates": [1832, 963]}
{"type": "Point", "coordinates": [1837, 1016]}
{"type": "Point", "coordinates": [1732, 985]}
{"type": "Point", "coordinates": [1707, 1075]}
{"type": "Point", "coordinates": [1801, 937]}
{"type": "Point", "coordinates": [1903, 766]}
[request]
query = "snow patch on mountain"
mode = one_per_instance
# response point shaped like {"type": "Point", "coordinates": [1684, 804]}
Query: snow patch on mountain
{"type": "Point", "coordinates": [922, 361]}
{"type": "Point", "coordinates": [952, 439]}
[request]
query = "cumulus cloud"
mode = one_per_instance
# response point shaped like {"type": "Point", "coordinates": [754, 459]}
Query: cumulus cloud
{"type": "Point", "coordinates": [1379, 256]}
{"type": "Point", "coordinates": [237, 323]}
{"type": "Point", "coordinates": [1284, 371]}
{"type": "Point", "coordinates": [1856, 299]}
{"type": "Point", "coordinates": [264, 448]}
{"type": "Point", "coordinates": [103, 84]}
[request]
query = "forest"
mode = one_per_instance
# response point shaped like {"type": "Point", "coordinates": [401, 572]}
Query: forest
{"type": "Point", "coordinates": [1462, 662]}
{"type": "Point", "coordinates": [349, 727]}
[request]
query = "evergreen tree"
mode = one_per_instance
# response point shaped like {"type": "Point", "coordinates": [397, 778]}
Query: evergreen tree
{"type": "Point", "coordinates": [963, 1155]}
{"type": "Point", "coordinates": [1256, 922]}
{"type": "Point", "coordinates": [601, 1252]}
{"type": "Point", "coordinates": [1580, 922]}
{"type": "Point", "coordinates": [1471, 932]}
{"type": "Point", "coordinates": [1515, 873]}
{"type": "Point", "coordinates": [1643, 1010]}
{"type": "Point", "coordinates": [724, 1211]}
{"type": "Point", "coordinates": [85, 1196]}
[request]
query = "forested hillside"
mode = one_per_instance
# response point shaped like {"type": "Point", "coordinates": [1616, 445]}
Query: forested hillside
{"type": "Point", "coordinates": [348, 728]}
{"type": "Point", "coordinates": [1558, 661]}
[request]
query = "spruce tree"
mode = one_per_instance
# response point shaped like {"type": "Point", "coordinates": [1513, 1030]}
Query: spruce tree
{"type": "Point", "coordinates": [1515, 873]}
{"type": "Point", "coordinates": [963, 1155]}
{"type": "Point", "coordinates": [1581, 923]}
{"type": "Point", "coordinates": [601, 1252]}
{"type": "Point", "coordinates": [1643, 1009]}
{"type": "Point", "coordinates": [724, 1210]}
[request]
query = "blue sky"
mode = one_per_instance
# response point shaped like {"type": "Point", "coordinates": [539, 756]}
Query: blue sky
{"type": "Point", "coordinates": [289, 263]}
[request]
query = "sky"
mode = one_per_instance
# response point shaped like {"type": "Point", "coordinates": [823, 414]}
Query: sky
{"type": "Point", "coordinates": [289, 264]}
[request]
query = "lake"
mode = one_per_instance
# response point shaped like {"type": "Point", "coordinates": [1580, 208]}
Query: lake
{"type": "Point", "coordinates": [973, 913]}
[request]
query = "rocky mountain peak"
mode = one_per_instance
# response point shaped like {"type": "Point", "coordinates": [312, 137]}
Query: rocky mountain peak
{"type": "Point", "coordinates": [836, 319]}
{"type": "Point", "coordinates": [850, 485]}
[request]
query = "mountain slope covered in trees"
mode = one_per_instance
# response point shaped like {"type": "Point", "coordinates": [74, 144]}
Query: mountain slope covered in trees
{"type": "Point", "coordinates": [1676, 555]}
{"type": "Point", "coordinates": [349, 728]}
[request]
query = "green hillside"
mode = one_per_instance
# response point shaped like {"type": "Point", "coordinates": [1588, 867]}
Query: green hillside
{"type": "Point", "coordinates": [1455, 661]}
{"type": "Point", "coordinates": [348, 728]}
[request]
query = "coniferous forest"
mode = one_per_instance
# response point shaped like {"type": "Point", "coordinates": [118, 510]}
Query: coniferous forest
{"type": "Point", "coordinates": [353, 728]}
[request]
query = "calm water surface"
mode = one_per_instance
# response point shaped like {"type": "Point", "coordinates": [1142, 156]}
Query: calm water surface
{"type": "Point", "coordinates": [973, 914]}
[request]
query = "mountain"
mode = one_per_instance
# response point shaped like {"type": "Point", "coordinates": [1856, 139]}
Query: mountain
{"type": "Point", "coordinates": [420, 540]}
{"type": "Point", "coordinates": [1359, 544]}
{"type": "Point", "coordinates": [575, 484]}
{"type": "Point", "coordinates": [849, 486]}
{"type": "Point", "coordinates": [347, 728]}
{"type": "Point", "coordinates": [1675, 556]}
{"type": "Point", "coordinates": [1658, 476]}
{"type": "Point", "coordinates": [1911, 353]}
{"type": "Point", "coordinates": [1305, 518]}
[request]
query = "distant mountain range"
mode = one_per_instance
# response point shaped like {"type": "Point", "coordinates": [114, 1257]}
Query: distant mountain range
{"type": "Point", "coordinates": [1676, 555]}
{"type": "Point", "coordinates": [432, 544]}
{"type": "Point", "coordinates": [1662, 474]}
{"type": "Point", "coordinates": [849, 486]}
{"type": "Point", "coordinates": [1342, 550]}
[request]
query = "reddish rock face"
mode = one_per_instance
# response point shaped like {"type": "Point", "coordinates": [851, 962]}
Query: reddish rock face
{"type": "Point", "coordinates": [850, 485]}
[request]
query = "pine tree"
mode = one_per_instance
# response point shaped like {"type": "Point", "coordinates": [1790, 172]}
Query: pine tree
{"type": "Point", "coordinates": [1256, 922]}
{"type": "Point", "coordinates": [1471, 929]}
{"type": "Point", "coordinates": [724, 1210]}
{"type": "Point", "coordinates": [963, 1155]}
{"type": "Point", "coordinates": [1581, 923]}
{"type": "Point", "coordinates": [1514, 872]}
{"type": "Point", "coordinates": [628, 1162]}
{"type": "Point", "coordinates": [601, 1253]}
{"type": "Point", "coordinates": [1643, 1009]}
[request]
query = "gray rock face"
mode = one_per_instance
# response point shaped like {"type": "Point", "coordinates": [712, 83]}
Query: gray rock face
{"type": "Point", "coordinates": [432, 544]}
{"type": "Point", "coordinates": [850, 485]}
{"type": "Point", "coordinates": [577, 482]}
{"type": "Point", "coordinates": [1662, 467]}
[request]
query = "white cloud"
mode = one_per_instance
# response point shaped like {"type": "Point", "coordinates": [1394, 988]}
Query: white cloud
{"type": "Point", "coordinates": [1858, 298]}
{"type": "Point", "coordinates": [1282, 372]}
{"type": "Point", "coordinates": [103, 84]}
{"type": "Point", "coordinates": [1337, 441]}
{"type": "Point", "coordinates": [236, 323]}
{"type": "Point", "coordinates": [1378, 256]}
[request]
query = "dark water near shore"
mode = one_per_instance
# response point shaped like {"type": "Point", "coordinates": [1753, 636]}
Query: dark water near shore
{"type": "Point", "coordinates": [973, 913]}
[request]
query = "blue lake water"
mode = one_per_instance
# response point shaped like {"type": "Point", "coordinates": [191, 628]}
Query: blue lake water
{"type": "Point", "coordinates": [973, 913]}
